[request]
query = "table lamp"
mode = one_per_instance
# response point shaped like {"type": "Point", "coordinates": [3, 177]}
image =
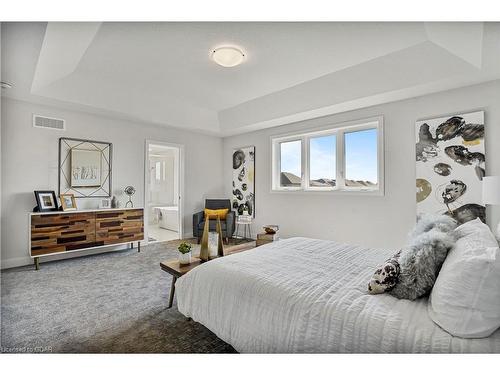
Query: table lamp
{"type": "Point", "coordinates": [491, 194]}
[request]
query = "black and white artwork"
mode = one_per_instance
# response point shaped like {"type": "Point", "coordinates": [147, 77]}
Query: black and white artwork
{"type": "Point", "coordinates": [450, 158]}
{"type": "Point", "coordinates": [244, 180]}
{"type": "Point", "coordinates": [85, 168]}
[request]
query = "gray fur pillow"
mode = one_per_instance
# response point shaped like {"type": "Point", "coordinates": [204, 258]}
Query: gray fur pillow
{"type": "Point", "coordinates": [411, 273]}
{"type": "Point", "coordinates": [420, 263]}
{"type": "Point", "coordinates": [426, 222]}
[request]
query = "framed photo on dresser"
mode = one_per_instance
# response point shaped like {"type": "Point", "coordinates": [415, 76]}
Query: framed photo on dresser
{"type": "Point", "coordinates": [46, 200]}
{"type": "Point", "coordinates": [68, 202]}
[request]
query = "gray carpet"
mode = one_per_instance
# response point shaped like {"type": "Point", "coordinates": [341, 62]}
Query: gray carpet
{"type": "Point", "coordinates": [107, 303]}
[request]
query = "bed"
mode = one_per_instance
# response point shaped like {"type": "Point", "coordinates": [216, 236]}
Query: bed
{"type": "Point", "coordinates": [303, 295]}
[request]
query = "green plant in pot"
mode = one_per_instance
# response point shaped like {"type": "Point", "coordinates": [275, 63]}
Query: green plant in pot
{"type": "Point", "coordinates": [184, 253]}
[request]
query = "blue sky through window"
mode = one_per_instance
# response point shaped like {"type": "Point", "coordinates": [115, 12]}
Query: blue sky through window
{"type": "Point", "coordinates": [361, 155]}
{"type": "Point", "coordinates": [291, 157]}
{"type": "Point", "coordinates": [322, 153]}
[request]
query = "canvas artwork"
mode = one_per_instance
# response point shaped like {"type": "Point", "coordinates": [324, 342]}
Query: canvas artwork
{"type": "Point", "coordinates": [450, 158]}
{"type": "Point", "coordinates": [85, 168]}
{"type": "Point", "coordinates": [244, 180]}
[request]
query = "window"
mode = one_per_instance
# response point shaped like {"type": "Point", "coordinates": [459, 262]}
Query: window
{"type": "Point", "coordinates": [157, 170]}
{"type": "Point", "coordinates": [346, 157]}
{"type": "Point", "coordinates": [290, 164]}
{"type": "Point", "coordinates": [322, 161]}
{"type": "Point", "coordinates": [361, 158]}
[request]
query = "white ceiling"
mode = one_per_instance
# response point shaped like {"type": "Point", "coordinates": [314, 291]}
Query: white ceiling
{"type": "Point", "coordinates": [162, 73]}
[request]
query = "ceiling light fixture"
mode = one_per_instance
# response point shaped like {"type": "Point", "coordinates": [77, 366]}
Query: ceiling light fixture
{"type": "Point", "coordinates": [228, 56]}
{"type": "Point", "coordinates": [5, 85]}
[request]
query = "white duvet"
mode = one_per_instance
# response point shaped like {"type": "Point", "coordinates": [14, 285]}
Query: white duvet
{"type": "Point", "coordinates": [308, 295]}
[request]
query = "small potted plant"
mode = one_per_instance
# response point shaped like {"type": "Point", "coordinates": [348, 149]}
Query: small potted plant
{"type": "Point", "coordinates": [184, 253]}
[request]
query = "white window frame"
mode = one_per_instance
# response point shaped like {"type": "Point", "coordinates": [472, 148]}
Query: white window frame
{"type": "Point", "coordinates": [338, 130]}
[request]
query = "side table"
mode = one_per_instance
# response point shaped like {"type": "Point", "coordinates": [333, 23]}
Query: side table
{"type": "Point", "coordinates": [246, 223]}
{"type": "Point", "coordinates": [265, 238]}
{"type": "Point", "coordinates": [174, 268]}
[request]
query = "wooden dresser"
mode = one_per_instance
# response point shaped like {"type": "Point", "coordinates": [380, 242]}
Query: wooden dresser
{"type": "Point", "coordinates": [58, 232]}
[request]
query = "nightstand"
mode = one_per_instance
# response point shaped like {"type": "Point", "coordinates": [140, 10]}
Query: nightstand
{"type": "Point", "coordinates": [265, 238]}
{"type": "Point", "coordinates": [174, 268]}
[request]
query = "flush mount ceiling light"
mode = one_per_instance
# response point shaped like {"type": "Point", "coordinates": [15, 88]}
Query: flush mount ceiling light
{"type": "Point", "coordinates": [5, 85]}
{"type": "Point", "coordinates": [228, 56]}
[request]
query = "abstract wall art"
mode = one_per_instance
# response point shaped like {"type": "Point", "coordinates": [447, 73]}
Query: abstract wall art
{"type": "Point", "coordinates": [450, 158]}
{"type": "Point", "coordinates": [85, 168]}
{"type": "Point", "coordinates": [244, 180]}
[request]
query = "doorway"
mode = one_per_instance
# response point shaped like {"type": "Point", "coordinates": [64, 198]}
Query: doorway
{"type": "Point", "coordinates": [163, 187]}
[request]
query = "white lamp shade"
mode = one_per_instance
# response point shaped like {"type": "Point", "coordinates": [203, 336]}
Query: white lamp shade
{"type": "Point", "coordinates": [491, 190]}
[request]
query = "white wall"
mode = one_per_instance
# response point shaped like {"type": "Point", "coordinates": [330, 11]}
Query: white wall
{"type": "Point", "coordinates": [30, 162]}
{"type": "Point", "coordinates": [369, 220]}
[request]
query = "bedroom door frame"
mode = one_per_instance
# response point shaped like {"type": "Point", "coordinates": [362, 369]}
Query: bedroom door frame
{"type": "Point", "coordinates": [180, 201]}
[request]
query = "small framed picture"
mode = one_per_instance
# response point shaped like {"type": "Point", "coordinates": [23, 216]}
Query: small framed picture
{"type": "Point", "coordinates": [68, 202]}
{"type": "Point", "coordinates": [105, 203]}
{"type": "Point", "coordinates": [46, 200]}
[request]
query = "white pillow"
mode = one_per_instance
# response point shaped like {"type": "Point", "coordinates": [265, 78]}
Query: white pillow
{"type": "Point", "coordinates": [465, 300]}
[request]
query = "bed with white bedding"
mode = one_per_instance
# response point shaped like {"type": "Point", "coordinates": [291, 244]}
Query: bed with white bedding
{"type": "Point", "coordinates": [308, 295]}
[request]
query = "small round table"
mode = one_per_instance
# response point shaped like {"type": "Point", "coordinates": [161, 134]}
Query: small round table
{"type": "Point", "coordinates": [247, 223]}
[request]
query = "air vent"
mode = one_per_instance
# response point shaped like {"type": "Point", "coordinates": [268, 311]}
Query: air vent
{"type": "Point", "coordinates": [48, 123]}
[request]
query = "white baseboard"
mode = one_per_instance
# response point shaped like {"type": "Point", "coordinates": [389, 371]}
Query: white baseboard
{"type": "Point", "coordinates": [24, 261]}
{"type": "Point", "coordinates": [16, 262]}
{"type": "Point", "coordinates": [187, 235]}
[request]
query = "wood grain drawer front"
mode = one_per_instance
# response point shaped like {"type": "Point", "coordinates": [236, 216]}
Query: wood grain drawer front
{"type": "Point", "coordinates": [119, 226]}
{"type": "Point", "coordinates": [61, 232]}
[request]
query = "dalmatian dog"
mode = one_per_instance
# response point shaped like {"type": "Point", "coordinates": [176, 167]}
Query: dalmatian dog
{"type": "Point", "coordinates": [386, 276]}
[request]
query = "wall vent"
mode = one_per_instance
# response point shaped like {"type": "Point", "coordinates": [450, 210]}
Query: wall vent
{"type": "Point", "coordinates": [48, 123]}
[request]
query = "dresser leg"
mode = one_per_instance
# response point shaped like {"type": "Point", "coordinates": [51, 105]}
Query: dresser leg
{"type": "Point", "coordinates": [37, 263]}
{"type": "Point", "coordinates": [131, 245]}
{"type": "Point", "coordinates": [138, 246]}
{"type": "Point", "coordinates": [172, 292]}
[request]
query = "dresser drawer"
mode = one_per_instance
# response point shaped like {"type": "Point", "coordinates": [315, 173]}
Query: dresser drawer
{"type": "Point", "coordinates": [61, 232]}
{"type": "Point", "coordinates": [119, 226]}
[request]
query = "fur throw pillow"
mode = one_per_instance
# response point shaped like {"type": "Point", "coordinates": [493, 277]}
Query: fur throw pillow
{"type": "Point", "coordinates": [386, 276]}
{"type": "Point", "coordinates": [411, 272]}
{"type": "Point", "coordinates": [426, 222]}
{"type": "Point", "coordinates": [420, 263]}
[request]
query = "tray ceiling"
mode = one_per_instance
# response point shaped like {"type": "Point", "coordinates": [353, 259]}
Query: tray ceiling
{"type": "Point", "coordinates": [162, 73]}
